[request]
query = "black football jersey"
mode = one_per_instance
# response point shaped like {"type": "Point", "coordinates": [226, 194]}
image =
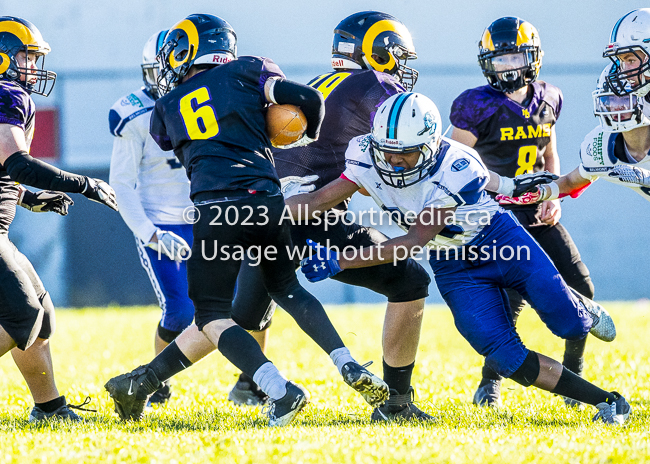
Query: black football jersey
{"type": "Point", "coordinates": [512, 139]}
{"type": "Point", "coordinates": [16, 108]}
{"type": "Point", "coordinates": [351, 100]}
{"type": "Point", "coordinates": [215, 123]}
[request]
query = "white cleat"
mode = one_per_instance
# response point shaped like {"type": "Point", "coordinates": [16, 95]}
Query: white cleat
{"type": "Point", "coordinates": [603, 326]}
{"type": "Point", "coordinates": [615, 413]}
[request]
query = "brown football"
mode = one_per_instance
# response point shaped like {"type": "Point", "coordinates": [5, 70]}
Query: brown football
{"type": "Point", "coordinates": [285, 124]}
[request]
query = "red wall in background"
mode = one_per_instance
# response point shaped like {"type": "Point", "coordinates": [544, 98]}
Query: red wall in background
{"type": "Point", "coordinates": [46, 135]}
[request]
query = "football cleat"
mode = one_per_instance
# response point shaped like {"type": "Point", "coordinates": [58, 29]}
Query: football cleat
{"type": "Point", "coordinates": [62, 413]}
{"type": "Point", "coordinates": [400, 408]}
{"type": "Point", "coordinates": [603, 326]}
{"type": "Point", "coordinates": [615, 413]}
{"type": "Point", "coordinates": [281, 412]}
{"type": "Point", "coordinates": [160, 396]}
{"type": "Point", "coordinates": [131, 391]}
{"type": "Point", "coordinates": [488, 394]}
{"type": "Point", "coordinates": [245, 394]}
{"type": "Point", "coordinates": [373, 389]}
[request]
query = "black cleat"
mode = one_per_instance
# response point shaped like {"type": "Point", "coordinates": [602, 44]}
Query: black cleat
{"type": "Point", "coordinates": [245, 394]}
{"type": "Point", "coordinates": [400, 408]}
{"type": "Point", "coordinates": [131, 391]}
{"type": "Point", "coordinates": [373, 389]}
{"type": "Point", "coordinates": [160, 396]}
{"type": "Point", "coordinates": [488, 394]}
{"type": "Point", "coordinates": [281, 412]}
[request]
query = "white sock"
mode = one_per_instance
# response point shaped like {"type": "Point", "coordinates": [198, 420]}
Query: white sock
{"type": "Point", "coordinates": [271, 381]}
{"type": "Point", "coordinates": [340, 357]}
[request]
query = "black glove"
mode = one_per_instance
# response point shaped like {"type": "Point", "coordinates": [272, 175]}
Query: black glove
{"type": "Point", "coordinates": [45, 201]}
{"type": "Point", "coordinates": [529, 182]}
{"type": "Point", "coordinates": [99, 191]}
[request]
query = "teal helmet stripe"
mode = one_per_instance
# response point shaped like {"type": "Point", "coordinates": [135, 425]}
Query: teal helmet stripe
{"type": "Point", "coordinates": [393, 116]}
{"type": "Point", "coordinates": [161, 40]}
{"type": "Point", "coordinates": [612, 39]}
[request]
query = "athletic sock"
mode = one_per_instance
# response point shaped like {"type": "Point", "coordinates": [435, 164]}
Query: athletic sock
{"type": "Point", "coordinates": [169, 362]}
{"type": "Point", "coordinates": [577, 388]}
{"type": "Point", "coordinates": [241, 349]}
{"type": "Point", "coordinates": [398, 378]}
{"type": "Point", "coordinates": [489, 374]}
{"type": "Point", "coordinates": [271, 381]}
{"type": "Point", "coordinates": [52, 405]}
{"type": "Point", "coordinates": [340, 357]}
{"type": "Point", "coordinates": [574, 355]}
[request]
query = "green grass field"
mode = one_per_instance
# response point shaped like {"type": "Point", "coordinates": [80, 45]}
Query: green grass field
{"type": "Point", "coordinates": [200, 425]}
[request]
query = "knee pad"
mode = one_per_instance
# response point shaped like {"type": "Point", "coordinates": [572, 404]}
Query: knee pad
{"type": "Point", "coordinates": [412, 285]}
{"type": "Point", "coordinates": [528, 371]}
{"type": "Point", "coordinates": [167, 335]}
{"type": "Point", "coordinates": [252, 322]}
{"type": "Point", "coordinates": [49, 320]}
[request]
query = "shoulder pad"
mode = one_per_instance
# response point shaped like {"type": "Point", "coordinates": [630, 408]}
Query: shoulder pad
{"type": "Point", "coordinates": [128, 108]}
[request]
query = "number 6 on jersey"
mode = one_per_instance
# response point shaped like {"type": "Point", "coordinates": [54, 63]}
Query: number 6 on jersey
{"type": "Point", "coordinates": [200, 121]}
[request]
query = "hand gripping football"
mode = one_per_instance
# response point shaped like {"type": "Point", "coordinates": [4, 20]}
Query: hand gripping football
{"type": "Point", "coordinates": [285, 124]}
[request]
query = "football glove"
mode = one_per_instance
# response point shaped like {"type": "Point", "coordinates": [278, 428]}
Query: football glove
{"type": "Point", "coordinates": [99, 191]}
{"type": "Point", "coordinates": [541, 193]}
{"type": "Point", "coordinates": [171, 245]}
{"type": "Point", "coordinates": [301, 142]}
{"type": "Point", "coordinates": [631, 174]}
{"type": "Point", "coordinates": [45, 201]}
{"type": "Point", "coordinates": [321, 265]}
{"type": "Point", "coordinates": [294, 185]}
{"type": "Point", "coordinates": [525, 183]}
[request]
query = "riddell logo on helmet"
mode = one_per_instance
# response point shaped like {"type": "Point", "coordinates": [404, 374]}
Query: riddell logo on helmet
{"type": "Point", "coordinates": [337, 63]}
{"type": "Point", "coordinates": [221, 59]}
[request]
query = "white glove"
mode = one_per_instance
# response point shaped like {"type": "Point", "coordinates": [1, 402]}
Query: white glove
{"type": "Point", "coordinates": [294, 185]}
{"type": "Point", "coordinates": [631, 174]}
{"type": "Point", "coordinates": [301, 142]}
{"type": "Point", "coordinates": [170, 245]}
{"type": "Point", "coordinates": [99, 191]}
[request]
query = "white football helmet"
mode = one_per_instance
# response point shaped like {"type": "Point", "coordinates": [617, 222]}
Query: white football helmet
{"type": "Point", "coordinates": [631, 34]}
{"type": "Point", "coordinates": [405, 122]}
{"type": "Point", "coordinates": [617, 113]}
{"type": "Point", "coordinates": [150, 66]}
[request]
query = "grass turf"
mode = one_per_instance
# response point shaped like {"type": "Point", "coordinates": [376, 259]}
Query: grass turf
{"type": "Point", "coordinates": [200, 425]}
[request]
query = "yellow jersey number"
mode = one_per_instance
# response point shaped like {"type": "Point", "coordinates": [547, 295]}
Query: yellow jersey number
{"type": "Point", "coordinates": [526, 159]}
{"type": "Point", "coordinates": [201, 110]}
{"type": "Point", "coordinates": [325, 83]}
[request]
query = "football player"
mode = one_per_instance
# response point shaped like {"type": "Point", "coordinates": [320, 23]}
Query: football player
{"type": "Point", "coordinates": [616, 150]}
{"type": "Point", "coordinates": [435, 187]}
{"type": "Point", "coordinates": [370, 53]}
{"type": "Point", "coordinates": [212, 114]}
{"type": "Point", "coordinates": [152, 192]}
{"type": "Point", "coordinates": [511, 124]}
{"type": "Point", "coordinates": [26, 310]}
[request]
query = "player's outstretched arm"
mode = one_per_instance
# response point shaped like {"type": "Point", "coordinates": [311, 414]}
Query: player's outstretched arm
{"type": "Point", "coordinates": [572, 184]}
{"type": "Point", "coordinates": [26, 170]}
{"type": "Point", "coordinates": [312, 205]}
{"type": "Point", "coordinates": [329, 262]}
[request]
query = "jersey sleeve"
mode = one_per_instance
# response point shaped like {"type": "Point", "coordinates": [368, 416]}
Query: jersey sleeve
{"type": "Point", "coordinates": [594, 155]}
{"type": "Point", "coordinates": [462, 114]}
{"type": "Point", "coordinates": [553, 96]}
{"type": "Point", "coordinates": [125, 164]}
{"type": "Point", "coordinates": [14, 106]}
{"type": "Point", "coordinates": [355, 159]}
{"type": "Point", "coordinates": [158, 130]}
{"type": "Point", "coordinates": [259, 69]}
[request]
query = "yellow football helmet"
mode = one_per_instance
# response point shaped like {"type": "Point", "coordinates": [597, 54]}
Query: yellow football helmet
{"type": "Point", "coordinates": [510, 54]}
{"type": "Point", "coordinates": [19, 35]}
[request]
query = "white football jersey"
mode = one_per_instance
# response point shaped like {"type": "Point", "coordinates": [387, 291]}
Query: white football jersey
{"type": "Point", "coordinates": [457, 179]}
{"type": "Point", "coordinates": [151, 185]}
{"type": "Point", "coordinates": [601, 151]}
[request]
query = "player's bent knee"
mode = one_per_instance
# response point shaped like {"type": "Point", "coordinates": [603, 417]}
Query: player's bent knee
{"type": "Point", "coordinates": [413, 284]}
{"type": "Point", "coordinates": [528, 371]}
